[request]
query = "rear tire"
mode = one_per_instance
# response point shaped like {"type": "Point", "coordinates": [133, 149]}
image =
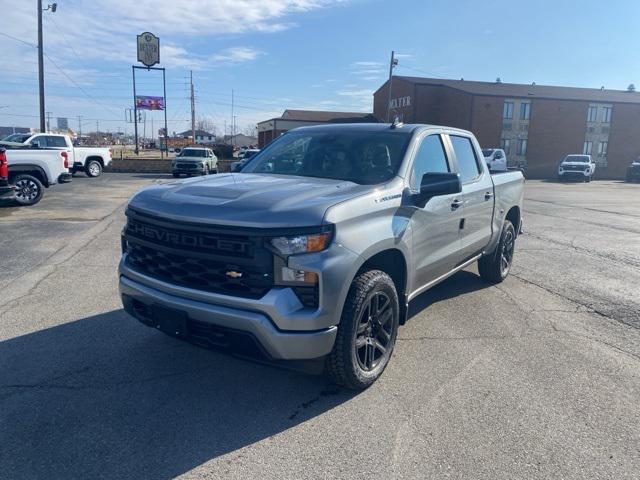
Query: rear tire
{"type": "Point", "coordinates": [494, 267]}
{"type": "Point", "coordinates": [93, 168]}
{"type": "Point", "coordinates": [367, 331]}
{"type": "Point", "coordinates": [29, 190]}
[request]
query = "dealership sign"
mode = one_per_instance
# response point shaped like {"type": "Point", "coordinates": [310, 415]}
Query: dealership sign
{"type": "Point", "coordinates": [144, 102]}
{"type": "Point", "coordinates": [148, 49]}
{"type": "Point", "coordinates": [400, 102]}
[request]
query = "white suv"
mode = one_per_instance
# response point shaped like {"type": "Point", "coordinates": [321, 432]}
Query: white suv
{"type": "Point", "coordinates": [495, 158]}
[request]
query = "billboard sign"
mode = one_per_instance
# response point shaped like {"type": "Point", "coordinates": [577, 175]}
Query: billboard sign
{"type": "Point", "coordinates": [148, 49]}
{"type": "Point", "coordinates": [63, 123]}
{"type": "Point", "coordinates": [144, 102]}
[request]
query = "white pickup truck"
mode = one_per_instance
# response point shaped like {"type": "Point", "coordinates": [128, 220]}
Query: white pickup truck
{"type": "Point", "coordinates": [88, 159]}
{"type": "Point", "coordinates": [31, 169]}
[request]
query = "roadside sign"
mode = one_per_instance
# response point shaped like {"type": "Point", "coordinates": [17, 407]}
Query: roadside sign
{"type": "Point", "coordinates": [144, 102]}
{"type": "Point", "coordinates": [148, 49]}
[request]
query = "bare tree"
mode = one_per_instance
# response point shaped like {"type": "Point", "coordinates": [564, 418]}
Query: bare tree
{"type": "Point", "coordinates": [205, 124]}
{"type": "Point", "coordinates": [250, 130]}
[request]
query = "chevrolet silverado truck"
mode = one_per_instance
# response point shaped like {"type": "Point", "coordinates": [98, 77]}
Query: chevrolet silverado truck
{"type": "Point", "coordinates": [90, 160]}
{"type": "Point", "coordinates": [315, 251]}
{"type": "Point", "coordinates": [32, 169]}
{"type": "Point", "coordinates": [577, 167]}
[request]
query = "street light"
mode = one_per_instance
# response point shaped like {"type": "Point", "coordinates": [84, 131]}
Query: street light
{"type": "Point", "coordinates": [53, 7]}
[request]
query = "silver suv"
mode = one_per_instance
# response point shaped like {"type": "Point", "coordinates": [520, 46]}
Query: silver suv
{"type": "Point", "coordinates": [194, 161]}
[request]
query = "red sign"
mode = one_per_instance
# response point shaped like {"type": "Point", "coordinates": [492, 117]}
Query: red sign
{"type": "Point", "coordinates": [149, 103]}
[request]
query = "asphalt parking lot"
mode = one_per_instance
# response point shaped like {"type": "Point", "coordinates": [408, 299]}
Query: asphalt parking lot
{"type": "Point", "coordinates": [538, 377]}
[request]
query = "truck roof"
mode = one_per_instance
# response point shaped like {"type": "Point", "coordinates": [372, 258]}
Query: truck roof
{"type": "Point", "coordinates": [373, 127]}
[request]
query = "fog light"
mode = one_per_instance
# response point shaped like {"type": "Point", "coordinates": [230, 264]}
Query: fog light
{"type": "Point", "coordinates": [299, 276]}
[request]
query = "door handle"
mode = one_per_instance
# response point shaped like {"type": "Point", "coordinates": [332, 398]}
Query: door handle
{"type": "Point", "coordinates": [456, 203]}
{"type": "Point", "coordinates": [488, 195]}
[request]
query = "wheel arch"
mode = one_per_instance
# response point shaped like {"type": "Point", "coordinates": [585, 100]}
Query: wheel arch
{"type": "Point", "coordinates": [28, 169]}
{"type": "Point", "coordinates": [95, 157]}
{"type": "Point", "coordinates": [513, 215]}
{"type": "Point", "coordinates": [392, 262]}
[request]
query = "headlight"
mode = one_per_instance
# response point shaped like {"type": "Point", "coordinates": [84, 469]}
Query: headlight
{"type": "Point", "coordinates": [301, 243]}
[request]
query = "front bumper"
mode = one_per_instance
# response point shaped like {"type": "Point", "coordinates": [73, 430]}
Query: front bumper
{"type": "Point", "coordinates": [195, 168]}
{"type": "Point", "coordinates": [220, 325]}
{"type": "Point", "coordinates": [580, 174]}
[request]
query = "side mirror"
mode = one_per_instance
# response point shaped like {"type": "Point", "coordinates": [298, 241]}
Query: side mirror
{"type": "Point", "coordinates": [437, 184]}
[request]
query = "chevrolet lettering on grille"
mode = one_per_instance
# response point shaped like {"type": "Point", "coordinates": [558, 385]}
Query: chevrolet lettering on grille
{"type": "Point", "coordinates": [185, 239]}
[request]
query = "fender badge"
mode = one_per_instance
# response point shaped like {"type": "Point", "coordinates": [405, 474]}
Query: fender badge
{"type": "Point", "coordinates": [234, 274]}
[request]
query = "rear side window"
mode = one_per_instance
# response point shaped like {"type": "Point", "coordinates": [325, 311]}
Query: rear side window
{"type": "Point", "coordinates": [56, 142]}
{"type": "Point", "coordinates": [430, 157]}
{"type": "Point", "coordinates": [466, 156]}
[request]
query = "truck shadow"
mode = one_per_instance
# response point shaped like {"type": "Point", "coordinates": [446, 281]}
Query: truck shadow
{"type": "Point", "coordinates": [459, 284]}
{"type": "Point", "coordinates": [107, 397]}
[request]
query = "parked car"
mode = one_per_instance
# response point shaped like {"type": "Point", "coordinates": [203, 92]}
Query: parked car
{"type": "Point", "coordinates": [577, 167]}
{"type": "Point", "coordinates": [194, 161]}
{"type": "Point", "coordinates": [496, 159]}
{"type": "Point", "coordinates": [90, 160]}
{"type": "Point", "coordinates": [32, 169]}
{"type": "Point", "coordinates": [7, 191]}
{"type": "Point", "coordinates": [316, 249]}
{"type": "Point", "coordinates": [633, 171]}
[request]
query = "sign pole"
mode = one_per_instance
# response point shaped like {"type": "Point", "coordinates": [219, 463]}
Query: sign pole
{"type": "Point", "coordinates": [166, 129]}
{"type": "Point", "coordinates": [135, 110]}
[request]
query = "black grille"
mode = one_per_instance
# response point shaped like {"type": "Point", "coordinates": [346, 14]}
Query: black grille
{"type": "Point", "coordinates": [199, 258]}
{"type": "Point", "coordinates": [308, 296]}
{"type": "Point", "coordinates": [187, 165]}
{"type": "Point", "coordinates": [574, 168]}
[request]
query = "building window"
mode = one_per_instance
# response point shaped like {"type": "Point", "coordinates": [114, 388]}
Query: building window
{"type": "Point", "coordinates": [586, 148]}
{"type": "Point", "coordinates": [522, 147]}
{"type": "Point", "coordinates": [602, 149]}
{"type": "Point", "coordinates": [592, 114]}
{"type": "Point", "coordinates": [505, 144]}
{"type": "Point", "coordinates": [507, 111]}
{"type": "Point", "coordinates": [606, 114]}
{"type": "Point", "coordinates": [525, 111]}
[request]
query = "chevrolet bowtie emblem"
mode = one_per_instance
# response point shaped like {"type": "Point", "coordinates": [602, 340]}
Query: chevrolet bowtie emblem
{"type": "Point", "coordinates": [234, 274]}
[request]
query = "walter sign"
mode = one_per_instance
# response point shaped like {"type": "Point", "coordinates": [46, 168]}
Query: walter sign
{"type": "Point", "coordinates": [148, 49]}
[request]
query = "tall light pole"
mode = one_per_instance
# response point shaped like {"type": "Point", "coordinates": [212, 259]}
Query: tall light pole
{"type": "Point", "coordinates": [53, 7]}
{"type": "Point", "coordinates": [392, 63]}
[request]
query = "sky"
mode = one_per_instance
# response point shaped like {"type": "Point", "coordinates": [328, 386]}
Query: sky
{"type": "Point", "coordinates": [299, 54]}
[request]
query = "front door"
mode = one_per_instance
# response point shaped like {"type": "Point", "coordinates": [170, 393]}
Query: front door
{"type": "Point", "coordinates": [435, 227]}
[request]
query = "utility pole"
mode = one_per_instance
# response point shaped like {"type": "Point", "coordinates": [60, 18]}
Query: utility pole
{"type": "Point", "coordinates": [392, 64]}
{"type": "Point", "coordinates": [80, 128]}
{"type": "Point", "coordinates": [40, 66]}
{"type": "Point", "coordinates": [193, 111]}
{"type": "Point", "coordinates": [48, 121]}
{"type": "Point", "coordinates": [98, 130]}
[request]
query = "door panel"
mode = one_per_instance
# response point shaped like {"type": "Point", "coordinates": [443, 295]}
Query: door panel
{"type": "Point", "coordinates": [435, 227]}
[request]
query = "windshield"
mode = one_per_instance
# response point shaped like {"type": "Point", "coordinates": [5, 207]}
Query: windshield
{"type": "Point", "coordinates": [193, 152]}
{"type": "Point", "coordinates": [17, 137]}
{"type": "Point", "coordinates": [577, 158]}
{"type": "Point", "coordinates": [487, 152]}
{"type": "Point", "coordinates": [360, 157]}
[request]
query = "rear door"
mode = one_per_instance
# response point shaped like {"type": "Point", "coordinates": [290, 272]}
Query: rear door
{"type": "Point", "coordinates": [435, 227]}
{"type": "Point", "coordinates": [477, 196]}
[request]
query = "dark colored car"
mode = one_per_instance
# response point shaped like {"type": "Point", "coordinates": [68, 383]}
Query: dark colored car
{"type": "Point", "coordinates": [7, 192]}
{"type": "Point", "coordinates": [633, 171]}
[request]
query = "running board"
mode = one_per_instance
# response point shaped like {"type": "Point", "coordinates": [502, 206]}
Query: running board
{"type": "Point", "coordinates": [441, 278]}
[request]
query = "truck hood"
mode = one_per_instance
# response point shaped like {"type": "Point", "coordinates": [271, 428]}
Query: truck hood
{"type": "Point", "coordinates": [190, 159]}
{"type": "Point", "coordinates": [247, 200]}
{"type": "Point", "coordinates": [574, 164]}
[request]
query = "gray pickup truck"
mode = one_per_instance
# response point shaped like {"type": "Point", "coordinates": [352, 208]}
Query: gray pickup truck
{"type": "Point", "coordinates": [315, 250]}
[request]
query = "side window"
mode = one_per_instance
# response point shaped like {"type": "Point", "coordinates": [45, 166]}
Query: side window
{"type": "Point", "coordinates": [56, 142]}
{"type": "Point", "coordinates": [430, 157]}
{"type": "Point", "coordinates": [466, 156]}
{"type": "Point", "coordinates": [39, 142]}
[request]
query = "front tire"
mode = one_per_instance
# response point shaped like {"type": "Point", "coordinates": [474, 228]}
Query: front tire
{"type": "Point", "coordinates": [367, 331]}
{"type": "Point", "coordinates": [494, 267]}
{"type": "Point", "coordinates": [93, 168]}
{"type": "Point", "coordinates": [29, 190]}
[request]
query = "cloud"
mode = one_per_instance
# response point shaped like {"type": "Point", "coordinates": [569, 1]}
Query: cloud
{"type": "Point", "coordinates": [236, 55]}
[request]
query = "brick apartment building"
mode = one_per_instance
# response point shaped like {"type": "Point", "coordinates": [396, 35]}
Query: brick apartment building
{"type": "Point", "coordinates": [537, 125]}
{"type": "Point", "coordinates": [274, 127]}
